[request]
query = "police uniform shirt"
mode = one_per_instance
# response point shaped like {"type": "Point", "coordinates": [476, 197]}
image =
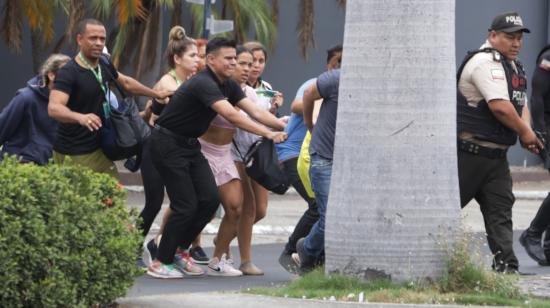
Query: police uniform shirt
{"type": "Point", "coordinates": [483, 78]}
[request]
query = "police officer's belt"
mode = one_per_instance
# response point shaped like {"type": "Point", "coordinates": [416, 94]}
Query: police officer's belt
{"type": "Point", "coordinates": [182, 139]}
{"type": "Point", "coordinates": [477, 149]}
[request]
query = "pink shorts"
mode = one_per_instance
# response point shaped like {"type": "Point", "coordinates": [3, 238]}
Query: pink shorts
{"type": "Point", "coordinates": [220, 161]}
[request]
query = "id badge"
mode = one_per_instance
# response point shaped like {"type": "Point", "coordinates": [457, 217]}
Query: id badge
{"type": "Point", "coordinates": [106, 110]}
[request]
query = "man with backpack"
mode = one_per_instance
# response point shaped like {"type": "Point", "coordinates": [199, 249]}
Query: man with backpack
{"type": "Point", "coordinates": [80, 95]}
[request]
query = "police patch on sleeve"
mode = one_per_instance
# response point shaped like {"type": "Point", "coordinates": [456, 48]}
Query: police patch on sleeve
{"type": "Point", "coordinates": [497, 74]}
{"type": "Point", "coordinates": [545, 65]}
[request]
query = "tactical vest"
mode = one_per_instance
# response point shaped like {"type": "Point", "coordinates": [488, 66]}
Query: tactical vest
{"type": "Point", "coordinates": [479, 120]}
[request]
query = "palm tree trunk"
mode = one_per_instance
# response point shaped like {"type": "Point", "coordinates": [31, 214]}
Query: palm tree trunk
{"type": "Point", "coordinates": [394, 200]}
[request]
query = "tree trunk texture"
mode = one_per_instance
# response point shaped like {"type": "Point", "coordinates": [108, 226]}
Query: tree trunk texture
{"type": "Point", "coordinates": [394, 200]}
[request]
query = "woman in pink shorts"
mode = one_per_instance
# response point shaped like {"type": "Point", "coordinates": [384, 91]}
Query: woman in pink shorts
{"type": "Point", "coordinates": [216, 147]}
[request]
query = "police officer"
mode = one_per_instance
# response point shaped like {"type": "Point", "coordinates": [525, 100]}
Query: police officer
{"type": "Point", "coordinates": [540, 107]}
{"type": "Point", "coordinates": [491, 115]}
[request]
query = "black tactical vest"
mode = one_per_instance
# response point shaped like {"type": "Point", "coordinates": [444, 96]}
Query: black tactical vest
{"type": "Point", "coordinates": [479, 120]}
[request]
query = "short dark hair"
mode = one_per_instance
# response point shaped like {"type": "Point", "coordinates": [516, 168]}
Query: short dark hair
{"type": "Point", "coordinates": [217, 43]}
{"type": "Point", "coordinates": [81, 27]}
{"type": "Point", "coordinates": [333, 51]}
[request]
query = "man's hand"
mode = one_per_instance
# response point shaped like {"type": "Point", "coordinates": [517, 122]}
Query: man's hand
{"type": "Point", "coordinates": [90, 121]}
{"type": "Point", "coordinates": [530, 141]}
{"type": "Point", "coordinates": [277, 137]}
{"type": "Point", "coordinates": [162, 94]}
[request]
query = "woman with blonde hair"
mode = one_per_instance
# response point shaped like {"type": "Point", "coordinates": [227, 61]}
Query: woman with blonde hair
{"type": "Point", "coordinates": [183, 61]}
{"type": "Point", "coordinates": [26, 130]}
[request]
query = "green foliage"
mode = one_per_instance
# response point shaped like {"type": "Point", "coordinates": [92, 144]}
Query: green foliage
{"type": "Point", "coordinates": [65, 237]}
{"type": "Point", "coordinates": [467, 274]}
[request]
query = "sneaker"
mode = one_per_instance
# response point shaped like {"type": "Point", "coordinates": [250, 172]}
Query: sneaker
{"type": "Point", "coordinates": [532, 246]}
{"type": "Point", "coordinates": [228, 259]}
{"type": "Point", "coordinates": [222, 268]}
{"type": "Point", "coordinates": [183, 263]}
{"type": "Point", "coordinates": [149, 252]}
{"type": "Point", "coordinates": [286, 261]}
{"type": "Point", "coordinates": [163, 271]}
{"type": "Point", "coordinates": [248, 268]}
{"type": "Point", "coordinates": [198, 255]}
{"type": "Point", "coordinates": [306, 262]}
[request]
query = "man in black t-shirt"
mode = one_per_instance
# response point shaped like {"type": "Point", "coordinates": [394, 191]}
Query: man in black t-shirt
{"type": "Point", "coordinates": [177, 157]}
{"type": "Point", "coordinates": [80, 90]}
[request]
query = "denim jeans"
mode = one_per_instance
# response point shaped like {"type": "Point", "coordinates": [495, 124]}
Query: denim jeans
{"type": "Point", "coordinates": [320, 171]}
{"type": "Point", "coordinates": [310, 216]}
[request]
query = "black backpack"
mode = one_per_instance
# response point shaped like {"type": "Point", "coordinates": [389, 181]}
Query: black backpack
{"type": "Point", "coordinates": [123, 131]}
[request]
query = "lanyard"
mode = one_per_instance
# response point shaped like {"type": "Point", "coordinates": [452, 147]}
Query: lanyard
{"type": "Point", "coordinates": [97, 74]}
{"type": "Point", "coordinates": [173, 73]}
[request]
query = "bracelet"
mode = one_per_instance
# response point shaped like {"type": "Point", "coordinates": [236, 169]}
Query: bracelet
{"type": "Point", "coordinates": [157, 107]}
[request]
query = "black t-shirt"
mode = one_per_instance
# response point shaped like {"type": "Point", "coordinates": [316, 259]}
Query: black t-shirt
{"type": "Point", "coordinates": [85, 96]}
{"type": "Point", "coordinates": [188, 113]}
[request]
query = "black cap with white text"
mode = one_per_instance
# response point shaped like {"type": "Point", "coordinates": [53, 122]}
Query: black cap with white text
{"type": "Point", "coordinates": [508, 22]}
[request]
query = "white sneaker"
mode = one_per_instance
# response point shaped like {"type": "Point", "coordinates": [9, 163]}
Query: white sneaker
{"type": "Point", "coordinates": [218, 267]}
{"type": "Point", "coordinates": [163, 271]}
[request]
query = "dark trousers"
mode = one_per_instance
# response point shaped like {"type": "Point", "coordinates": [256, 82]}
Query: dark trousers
{"type": "Point", "coordinates": [190, 186]}
{"type": "Point", "coordinates": [541, 224]}
{"type": "Point", "coordinates": [488, 181]}
{"type": "Point", "coordinates": [153, 186]}
{"type": "Point", "coordinates": [310, 216]}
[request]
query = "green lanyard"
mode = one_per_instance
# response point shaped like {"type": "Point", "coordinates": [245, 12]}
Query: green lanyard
{"type": "Point", "coordinates": [97, 74]}
{"type": "Point", "coordinates": [173, 73]}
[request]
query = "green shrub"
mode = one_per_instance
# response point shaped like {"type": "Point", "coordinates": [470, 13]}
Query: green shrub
{"type": "Point", "coordinates": [65, 237]}
{"type": "Point", "coordinates": [466, 273]}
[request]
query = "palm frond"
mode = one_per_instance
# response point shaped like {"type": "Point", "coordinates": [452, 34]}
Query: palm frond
{"type": "Point", "coordinates": [275, 12]}
{"type": "Point", "coordinates": [77, 11]}
{"type": "Point", "coordinates": [130, 9]}
{"type": "Point", "coordinates": [101, 9]}
{"type": "Point", "coordinates": [255, 13]}
{"type": "Point", "coordinates": [306, 27]}
{"type": "Point", "coordinates": [120, 44]}
{"type": "Point", "coordinates": [148, 49]}
{"type": "Point", "coordinates": [176, 13]}
{"type": "Point", "coordinates": [12, 25]}
{"type": "Point", "coordinates": [170, 4]}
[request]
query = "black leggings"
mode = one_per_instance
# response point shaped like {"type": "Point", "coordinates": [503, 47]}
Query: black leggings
{"type": "Point", "coordinates": [153, 185]}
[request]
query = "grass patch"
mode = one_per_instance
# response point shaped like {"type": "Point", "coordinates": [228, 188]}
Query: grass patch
{"type": "Point", "coordinates": [317, 285]}
{"type": "Point", "coordinates": [465, 282]}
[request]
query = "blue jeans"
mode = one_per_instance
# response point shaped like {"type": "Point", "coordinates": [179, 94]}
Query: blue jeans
{"type": "Point", "coordinates": [320, 171]}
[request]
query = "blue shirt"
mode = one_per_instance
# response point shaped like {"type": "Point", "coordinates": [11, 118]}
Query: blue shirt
{"type": "Point", "coordinates": [322, 138]}
{"type": "Point", "coordinates": [295, 129]}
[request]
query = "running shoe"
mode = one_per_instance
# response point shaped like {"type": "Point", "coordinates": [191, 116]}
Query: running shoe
{"type": "Point", "coordinates": [184, 264]}
{"type": "Point", "coordinates": [198, 255]}
{"type": "Point", "coordinates": [163, 271]}
{"type": "Point", "coordinates": [218, 267]}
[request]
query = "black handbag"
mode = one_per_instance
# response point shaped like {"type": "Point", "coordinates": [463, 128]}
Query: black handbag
{"type": "Point", "coordinates": [262, 165]}
{"type": "Point", "coordinates": [123, 131]}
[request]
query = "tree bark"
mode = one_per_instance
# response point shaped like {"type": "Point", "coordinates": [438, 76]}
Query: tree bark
{"type": "Point", "coordinates": [394, 199]}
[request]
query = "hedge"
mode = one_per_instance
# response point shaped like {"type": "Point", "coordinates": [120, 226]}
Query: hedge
{"type": "Point", "coordinates": [65, 237]}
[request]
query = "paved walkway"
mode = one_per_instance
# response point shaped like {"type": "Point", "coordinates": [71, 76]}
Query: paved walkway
{"type": "Point", "coordinates": [269, 237]}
